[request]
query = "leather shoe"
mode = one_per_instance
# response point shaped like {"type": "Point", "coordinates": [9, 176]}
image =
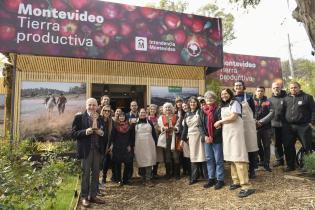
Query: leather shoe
{"type": "Point", "coordinates": [245, 193]}
{"type": "Point", "coordinates": [210, 183]}
{"type": "Point", "coordinates": [85, 202]}
{"type": "Point", "coordinates": [234, 186]}
{"type": "Point", "coordinates": [219, 185]}
{"type": "Point", "coordinates": [97, 200]}
{"type": "Point", "coordinates": [191, 182]}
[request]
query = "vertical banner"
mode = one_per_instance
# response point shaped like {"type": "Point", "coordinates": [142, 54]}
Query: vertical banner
{"type": "Point", "coordinates": [104, 30]}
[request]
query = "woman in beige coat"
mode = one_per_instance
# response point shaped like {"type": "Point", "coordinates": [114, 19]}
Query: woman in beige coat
{"type": "Point", "coordinates": [234, 146]}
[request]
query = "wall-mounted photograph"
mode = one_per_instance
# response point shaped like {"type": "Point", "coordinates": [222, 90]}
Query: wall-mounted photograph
{"type": "Point", "coordinates": [48, 109]}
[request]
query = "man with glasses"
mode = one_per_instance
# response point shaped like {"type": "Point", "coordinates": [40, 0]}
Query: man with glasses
{"type": "Point", "coordinates": [88, 129]}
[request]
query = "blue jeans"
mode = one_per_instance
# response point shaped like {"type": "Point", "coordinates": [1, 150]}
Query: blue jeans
{"type": "Point", "coordinates": [215, 163]}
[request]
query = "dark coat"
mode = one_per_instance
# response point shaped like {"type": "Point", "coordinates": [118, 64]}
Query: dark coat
{"type": "Point", "coordinates": [277, 107]}
{"type": "Point", "coordinates": [262, 111]}
{"type": "Point", "coordinates": [120, 142]}
{"type": "Point", "coordinates": [79, 126]}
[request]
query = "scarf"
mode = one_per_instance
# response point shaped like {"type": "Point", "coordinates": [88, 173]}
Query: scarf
{"type": "Point", "coordinates": [209, 111]}
{"type": "Point", "coordinates": [122, 127]}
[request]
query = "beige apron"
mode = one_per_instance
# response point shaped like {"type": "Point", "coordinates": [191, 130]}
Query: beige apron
{"type": "Point", "coordinates": [250, 127]}
{"type": "Point", "coordinates": [196, 145]}
{"type": "Point", "coordinates": [159, 150]}
{"type": "Point", "coordinates": [145, 153]}
{"type": "Point", "coordinates": [234, 147]}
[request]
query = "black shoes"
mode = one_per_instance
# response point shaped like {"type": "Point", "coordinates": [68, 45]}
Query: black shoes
{"type": "Point", "coordinates": [191, 182]}
{"type": "Point", "coordinates": [210, 183]}
{"type": "Point", "coordinates": [234, 186]}
{"type": "Point", "coordinates": [252, 174]}
{"type": "Point", "coordinates": [245, 193]}
{"type": "Point", "coordinates": [267, 168]}
{"type": "Point", "coordinates": [219, 185]}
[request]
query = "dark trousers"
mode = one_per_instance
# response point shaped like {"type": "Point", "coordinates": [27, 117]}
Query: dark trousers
{"type": "Point", "coordinates": [194, 170]}
{"type": "Point", "coordinates": [264, 141]}
{"type": "Point", "coordinates": [292, 132]}
{"type": "Point", "coordinates": [108, 164]}
{"type": "Point", "coordinates": [253, 162]}
{"type": "Point", "coordinates": [90, 173]}
{"type": "Point", "coordinates": [127, 171]}
{"type": "Point", "coordinates": [278, 136]}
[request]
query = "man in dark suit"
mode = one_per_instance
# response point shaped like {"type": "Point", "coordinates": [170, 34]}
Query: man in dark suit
{"type": "Point", "coordinates": [89, 130]}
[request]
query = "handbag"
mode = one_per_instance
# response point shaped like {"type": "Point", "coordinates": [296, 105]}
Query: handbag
{"type": "Point", "coordinates": [162, 140]}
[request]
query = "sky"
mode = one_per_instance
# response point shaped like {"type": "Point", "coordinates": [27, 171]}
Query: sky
{"type": "Point", "coordinates": [51, 85]}
{"type": "Point", "coordinates": [262, 31]}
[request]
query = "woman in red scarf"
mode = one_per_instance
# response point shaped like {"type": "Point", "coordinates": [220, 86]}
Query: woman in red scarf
{"type": "Point", "coordinates": [213, 146]}
{"type": "Point", "coordinates": [122, 139]}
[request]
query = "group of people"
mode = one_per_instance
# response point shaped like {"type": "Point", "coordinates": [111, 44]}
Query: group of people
{"type": "Point", "coordinates": [196, 136]}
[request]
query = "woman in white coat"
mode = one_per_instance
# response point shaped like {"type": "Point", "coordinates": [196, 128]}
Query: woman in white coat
{"type": "Point", "coordinates": [145, 146]}
{"type": "Point", "coordinates": [234, 145]}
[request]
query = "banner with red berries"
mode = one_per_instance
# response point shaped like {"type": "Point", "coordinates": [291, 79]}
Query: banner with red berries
{"type": "Point", "coordinates": [104, 30]}
{"type": "Point", "coordinates": [253, 70]}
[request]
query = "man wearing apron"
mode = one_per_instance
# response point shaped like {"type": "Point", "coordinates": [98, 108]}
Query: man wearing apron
{"type": "Point", "coordinates": [250, 134]}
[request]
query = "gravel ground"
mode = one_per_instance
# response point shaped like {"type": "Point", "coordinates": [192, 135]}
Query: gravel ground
{"type": "Point", "coordinates": [274, 190]}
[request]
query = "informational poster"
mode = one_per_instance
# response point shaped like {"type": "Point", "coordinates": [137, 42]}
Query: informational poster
{"type": "Point", "coordinates": [253, 70]}
{"type": "Point", "coordinates": [48, 109]}
{"type": "Point", "coordinates": [160, 95]}
{"type": "Point", "coordinates": [105, 30]}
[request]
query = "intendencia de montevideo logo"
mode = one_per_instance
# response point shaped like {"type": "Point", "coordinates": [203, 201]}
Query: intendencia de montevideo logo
{"type": "Point", "coordinates": [64, 31]}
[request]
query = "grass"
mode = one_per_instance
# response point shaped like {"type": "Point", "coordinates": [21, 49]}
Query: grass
{"type": "Point", "coordinates": [65, 195]}
{"type": "Point", "coordinates": [309, 163]}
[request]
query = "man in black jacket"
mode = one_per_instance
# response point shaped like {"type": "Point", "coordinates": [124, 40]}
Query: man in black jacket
{"type": "Point", "coordinates": [263, 116]}
{"type": "Point", "coordinates": [299, 112]}
{"type": "Point", "coordinates": [89, 129]}
{"type": "Point", "coordinates": [277, 100]}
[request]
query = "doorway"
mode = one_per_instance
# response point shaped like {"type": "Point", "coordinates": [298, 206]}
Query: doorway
{"type": "Point", "coordinates": [121, 95]}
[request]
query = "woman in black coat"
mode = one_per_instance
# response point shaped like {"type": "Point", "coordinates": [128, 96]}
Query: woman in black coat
{"type": "Point", "coordinates": [122, 140]}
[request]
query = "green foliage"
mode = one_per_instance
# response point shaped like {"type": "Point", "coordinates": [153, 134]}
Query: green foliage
{"type": "Point", "coordinates": [304, 71]}
{"type": "Point", "coordinates": [178, 6]}
{"type": "Point", "coordinates": [213, 85]}
{"type": "Point", "coordinates": [246, 3]}
{"type": "Point", "coordinates": [309, 163]}
{"type": "Point", "coordinates": [26, 183]}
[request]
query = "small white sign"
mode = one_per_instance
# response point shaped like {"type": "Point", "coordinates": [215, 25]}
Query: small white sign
{"type": "Point", "coordinates": [141, 43]}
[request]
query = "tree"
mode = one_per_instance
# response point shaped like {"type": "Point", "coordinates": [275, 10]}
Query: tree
{"type": "Point", "coordinates": [209, 10]}
{"type": "Point", "coordinates": [303, 13]}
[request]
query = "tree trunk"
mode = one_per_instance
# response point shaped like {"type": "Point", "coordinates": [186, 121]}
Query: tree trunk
{"type": "Point", "coordinates": [305, 13]}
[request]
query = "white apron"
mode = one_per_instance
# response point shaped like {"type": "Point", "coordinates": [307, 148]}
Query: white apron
{"type": "Point", "coordinates": [145, 153]}
{"type": "Point", "coordinates": [234, 147]}
{"type": "Point", "coordinates": [196, 146]}
{"type": "Point", "coordinates": [250, 127]}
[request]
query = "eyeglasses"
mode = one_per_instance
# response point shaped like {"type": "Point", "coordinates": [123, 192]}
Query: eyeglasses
{"type": "Point", "coordinates": [106, 110]}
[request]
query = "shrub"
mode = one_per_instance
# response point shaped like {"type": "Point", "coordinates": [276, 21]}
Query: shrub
{"type": "Point", "coordinates": [309, 163]}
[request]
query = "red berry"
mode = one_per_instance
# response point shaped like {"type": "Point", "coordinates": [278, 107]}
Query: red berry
{"type": "Point", "coordinates": [170, 57]}
{"type": "Point", "coordinates": [187, 20]}
{"type": "Point", "coordinates": [59, 4]}
{"type": "Point", "coordinates": [180, 36]}
{"type": "Point", "coordinates": [149, 13]}
{"type": "Point", "coordinates": [79, 4]}
{"type": "Point", "coordinates": [110, 11]}
{"type": "Point", "coordinates": [172, 21]}
{"type": "Point", "coordinates": [7, 32]}
{"type": "Point", "coordinates": [124, 48]}
{"type": "Point", "coordinates": [101, 40]}
{"type": "Point", "coordinates": [197, 25]}
{"type": "Point", "coordinates": [215, 35]}
{"type": "Point", "coordinates": [12, 5]}
{"type": "Point", "coordinates": [125, 29]}
{"type": "Point", "coordinates": [110, 29]}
